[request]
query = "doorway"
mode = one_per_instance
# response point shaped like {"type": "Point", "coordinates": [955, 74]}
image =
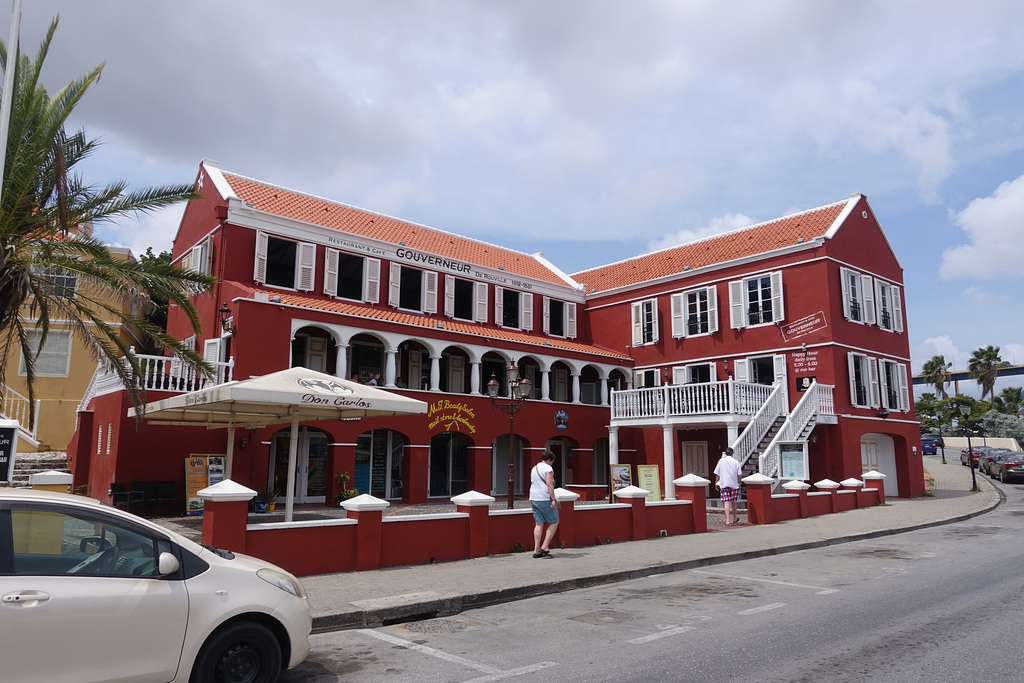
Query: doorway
{"type": "Point", "coordinates": [562, 447]}
{"type": "Point", "coordinates": [499, 467]}
{"type": "Point", "coordinates": [379, 463]}
{"type": "Point", "coordinates": [878, 452]}
{"type": "Point", "coordinates": [695, 460]}
{"type": "Point", "coordinates": [310, 464]}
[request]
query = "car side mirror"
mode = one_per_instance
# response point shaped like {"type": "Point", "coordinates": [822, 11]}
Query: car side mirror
{"type": "Point", "coordinates": [167, 564]}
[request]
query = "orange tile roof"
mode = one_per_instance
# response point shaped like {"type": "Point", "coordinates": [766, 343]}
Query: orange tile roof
{"type": "Point", "coordinates": [369, 311]}
{"type": "Point", "coordinates": [309, 209]}
{"type": "Point", "coordinates": [757, 239]}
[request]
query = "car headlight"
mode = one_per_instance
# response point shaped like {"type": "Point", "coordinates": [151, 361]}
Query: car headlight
{"type": "Point", "coordinates": [283, 581]}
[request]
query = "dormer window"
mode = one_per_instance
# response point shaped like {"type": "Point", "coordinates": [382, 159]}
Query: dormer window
{"type": "Point", "coordinates": [559, 318]}
{"type": "Point", "coordinates": [412, 289]}
{"type": "Point", "coordinates": [513, 309]}
{"type": "Point", "coordinates": [284, 263]}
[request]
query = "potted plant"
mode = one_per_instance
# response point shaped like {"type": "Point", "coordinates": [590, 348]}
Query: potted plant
{"type": "Point", "coordinates": [346, 493]}
{"type": "Point", "coordinates": [266, 499]}
{"type": "Point", "coordinates": [272, 496]}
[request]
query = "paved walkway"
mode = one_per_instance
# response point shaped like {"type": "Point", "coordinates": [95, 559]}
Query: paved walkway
{"type": "Point", "coordinates": [373, 598]}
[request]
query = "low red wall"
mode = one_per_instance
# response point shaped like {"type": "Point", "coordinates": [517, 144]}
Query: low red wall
{"type": "Point", "coordinates": [412, 540]}
{"type": "Point", "coordinates": [765, 508]}
{"type": "Point", "coordinates": [290, 547]}
{"type": "Point", "coordinates": [819, 503]}
{"type": "Point", "coordinates": [846, 500]}
{"type": "Point", "coordinates": [675, 518]}
{"type": "Point", "coordinates": [597, 524]}
{"type": "Point", "coordinates": [506, 528]}
{"type": "Point", "coordinates": [785, 506]}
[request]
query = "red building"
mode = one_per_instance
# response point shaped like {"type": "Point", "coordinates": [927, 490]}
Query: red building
{"type": "Point", "coordinates": [698, 342]}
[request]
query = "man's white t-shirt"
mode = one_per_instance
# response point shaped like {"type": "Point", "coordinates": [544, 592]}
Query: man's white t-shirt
{"type": "Point", "coordinates": [728, 471]}
{"type": "Point", "coordinates": [539, 481]}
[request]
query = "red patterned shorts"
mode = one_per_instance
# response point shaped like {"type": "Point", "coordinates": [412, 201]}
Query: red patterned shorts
{"type": "Point", "coordinates": [730, 495]}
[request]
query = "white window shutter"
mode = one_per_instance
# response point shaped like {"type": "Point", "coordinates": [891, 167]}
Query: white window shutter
{"type": "Point", "coordinates": [499, 306]}
{"type": "Point", "coordinates": [638, 379]}
{"type": "Point", "coordinates": [371, 285]}
{"type": "Point", "coordinates": [570, 320]}
{"type": "Point", "coordinates": [901, 373]}
{"type": "Point", "coordinates": [739, 370]}
{"type": "Point", "coordinates": [844, 277]}
{"type": "Point", "coordinates": [778, 312]}
{"type": "Point", "coordinates": [867, 287]}
{"type": "Point", "coordinates": [449, 296]}
{"type": "Point", "coordinates": [211, 351]}
{"type": "Point", "coordinates": [186, 261]}
{"type": "Point", "coordinates": [712, 309]}
{"type": "Point", "coordinates": [780, 369]}
{"type": "Point", "coordinates": [638, 324]}
{"type": "Point", "coordinates": [395, 284]}
{"type": "Point", "coordinates": [883, 383]}
{"type": "Point", "coordinates": [897, 309]}
{"type": "Point", "coordinates": [547, 315]}
{"type": "Point", "coordinates": [737, 317]}
{"type": "Point", "coordinates": [429, 291]}
{"type": "Point", "coordinates": [481, 301]}
{"type": "Point", "coordinates": [259, 271]}
{"type": "Point", "coordinates": [678, 316]}
{"type": "Point", "coordinates": [851, 362]}
{"type": "Point", "coordinates": [527, 308]}
{"type": "Point", "coordinates": [307, 261]}
{"type": "Point", "coordinates": [714, 371]}
{"type": "Point", "coordinates": [331, 259]}
{"type": "Point", "coordinates": [679, 374]}
{"type": "Point", "coordinates": [873, 371]}
{"type": "Point", "coordinates": [654, 320]}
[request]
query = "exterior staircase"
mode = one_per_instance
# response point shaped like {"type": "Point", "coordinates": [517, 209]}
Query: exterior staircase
{"type": "Point", "coordinates": [27, 464]}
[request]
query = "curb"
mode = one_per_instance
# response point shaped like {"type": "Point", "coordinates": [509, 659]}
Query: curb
{"type": "Point", "coordinates": [418, 610]}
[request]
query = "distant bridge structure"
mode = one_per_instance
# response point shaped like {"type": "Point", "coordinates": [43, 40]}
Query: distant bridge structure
{"type": "Point", "coordinates": [955, 377]}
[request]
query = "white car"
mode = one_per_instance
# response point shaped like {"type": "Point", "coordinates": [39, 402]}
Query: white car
{"type": "Point", "coordinates": [91, 593]}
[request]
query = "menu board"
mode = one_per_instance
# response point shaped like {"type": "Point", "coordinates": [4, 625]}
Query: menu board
{"type": "Point", "coordinates": [648, 480]}
{"type": "Point", "coordinates": [792, 460]}
{"type": "Point", "coordinates": [620, 479]}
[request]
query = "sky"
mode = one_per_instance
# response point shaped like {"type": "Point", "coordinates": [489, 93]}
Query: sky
{"type": "Point", "coordinates": [588, 130]}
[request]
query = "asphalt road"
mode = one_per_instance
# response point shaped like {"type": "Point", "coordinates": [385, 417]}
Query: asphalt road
{"type": "Point", "coordinates": [940, 604]}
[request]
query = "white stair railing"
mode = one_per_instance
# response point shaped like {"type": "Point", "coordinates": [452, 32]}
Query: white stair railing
{"type": "Point", "coordinates": [773, 408]}
{"type": "Point", "coordinates": [14, 406]}
{"type": "Point", "coordinates": [803, 413]}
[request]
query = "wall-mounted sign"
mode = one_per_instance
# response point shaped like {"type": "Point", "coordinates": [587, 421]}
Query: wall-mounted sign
{"type": "Point", "coordinates": [804, 326]}
{"type": "Point", "coordinates": [561, 419]}
{"type": "Point", "coordinates": [793, 460]}
{"type": "Point", "coordinates": [447, 416]}
{"type": "Point", "coordinates": [8, 447]}
{"type": "Point", "coordinates": [804, 383]}
{"type": "Point", "coordinates": [648, 480]}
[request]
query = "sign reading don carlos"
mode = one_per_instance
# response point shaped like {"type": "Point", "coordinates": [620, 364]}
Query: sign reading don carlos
{"type": "Point", "coordinates": [448, 416]}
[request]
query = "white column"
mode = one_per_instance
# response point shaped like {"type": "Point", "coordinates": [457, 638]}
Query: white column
{"type": "Point", "coordinates": [389, 369]}
{"type": "Point", "coordinates": [670, 462]}
{"type": "Point", "coordinates": [474, 376]}
{"type": "Point", "coordinates": [435, 373]}
{"type": "Point", "coordinates": [613, 445]}
{"type": "Point", "coordinates": [732, 428]}
{"type": "Point", "coordinates": [341, 361]}
{"type": "Point", "coordinates": [545, 385]}
{"type": "Point", "coordinates": [575, 387]}
{"type": "Point", "coordinates": [604, 391]}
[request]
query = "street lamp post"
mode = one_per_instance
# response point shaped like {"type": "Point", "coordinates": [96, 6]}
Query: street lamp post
{"type": "Point", "coordinates": [965, 410]}
{"type": "Point", "coordinates": [518, 391]}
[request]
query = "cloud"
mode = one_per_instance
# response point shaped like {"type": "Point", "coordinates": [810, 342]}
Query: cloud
{"type": "Point", "coordinates": [717, 226]}
{"type": "Point", "coordinates": [994, 226]}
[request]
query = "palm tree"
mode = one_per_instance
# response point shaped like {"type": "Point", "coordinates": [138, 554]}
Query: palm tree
{"type": "Point", "coordinates": [1010, 401]}
{"type": "Point", "coordinates": [984, 367]}
{"type": "Point", "coordinates": [41, 249]}
{"type": "Point", "coordinates": [936, 372]}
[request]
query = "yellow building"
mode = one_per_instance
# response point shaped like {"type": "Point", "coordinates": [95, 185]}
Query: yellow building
{"type": "Point", "coordinates": [64, 368]}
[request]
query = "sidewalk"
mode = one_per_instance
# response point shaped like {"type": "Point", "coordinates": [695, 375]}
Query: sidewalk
{"type": "Point", "coordinates": [385, 596]}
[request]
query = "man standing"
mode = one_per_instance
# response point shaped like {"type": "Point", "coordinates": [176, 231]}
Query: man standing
{"type": "Point", "coordinates": [542, 500]}
{"type": "Point", "coordinates": [727, 473]}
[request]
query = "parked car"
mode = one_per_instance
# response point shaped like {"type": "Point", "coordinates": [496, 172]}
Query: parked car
{"type": "Point", "coordinates": [121, 598]}
{"type": "Point", "coordinates": [977, 452]}
{"type": "Point", "coordinates": [1008, 466]}
{"type": "Point", "coordinates": [984, 462]}
{"type": "Point", "coordinates": [930, 443]}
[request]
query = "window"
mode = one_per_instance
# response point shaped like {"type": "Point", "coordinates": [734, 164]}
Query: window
{"type": "Point", "coordinates": [645, 378]}
{"type": "Point", "coordinates": [756, 300]}
{"type": "Point", "coordinates": [62, 282]}
{"type": "Point", "coordinates": [348, 276]}
{"type": "Point", "coordinates": [698, 373]}
{"type": "Point", "coordinates": [890, 311]}
{"type": "Point", "coordinates": [513, 309]}
{"type": "Point", "coordinates": [284, 263]}
{"type": "Point", "coordinates": [559, 318]}
{"type": "Point", "coordinates": [413, 289]}
{"type": "Point", "coordinates": [694, 312]}
{"type": "Point", "coordinates": [645, 322]}
{"type": "Point", "coordinates": [895, 391]}
{"type": "Point", "coordinates": [858, 297]}
{"type": "Point", "coordinates": [464, 299]}
{"type": "Point", "coordinates": [198, 258]}
{"type": "Point", "coordinates": [54, 358]}
{"type": "Point", "coordinates": [863, 380]}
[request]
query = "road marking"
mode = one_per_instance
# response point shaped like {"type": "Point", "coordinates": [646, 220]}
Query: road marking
{"type": "Point", "coordinates": [676, 630]}
{"type": "Point", "coordinates": [495, 674]}
{"type": "Point", "coordinates": [819, 589]}
{"type": "Point", "coordinates": [763, 608]}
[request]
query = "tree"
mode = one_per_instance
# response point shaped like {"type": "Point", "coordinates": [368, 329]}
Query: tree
{"type": "Point", "coordinates": [984, 367]}
{"type": "Point", "coordinates": [928, 411]}
{"type": "Point", "coordinates": [42, 251]}
{"type": "Point", "coordinates": [1010, 401]}
{"type": "Point", "coordinates": [936, 372]}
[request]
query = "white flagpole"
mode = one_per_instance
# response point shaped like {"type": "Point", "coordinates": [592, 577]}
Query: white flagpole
{"type": "Point", "coordinates": [12, 62]}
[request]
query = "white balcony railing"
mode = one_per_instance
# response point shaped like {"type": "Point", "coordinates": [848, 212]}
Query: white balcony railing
{"type": "Point", "coordinates": [683, 400]}
{"type": "Point", "coordinates": [159, 373]}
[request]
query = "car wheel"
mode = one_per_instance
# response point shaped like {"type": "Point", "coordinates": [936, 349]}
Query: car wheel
{"type": "Point", "coordinates": [1002, 476]}
{"type": "Point", "coordinates": [242, 652]}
